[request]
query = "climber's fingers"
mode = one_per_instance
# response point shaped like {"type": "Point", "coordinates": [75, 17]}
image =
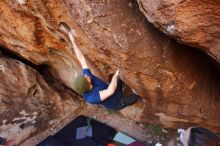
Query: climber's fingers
{"type": "Point", "coordinates": [117, 73]}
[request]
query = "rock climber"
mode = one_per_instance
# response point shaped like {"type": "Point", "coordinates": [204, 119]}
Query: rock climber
{"type": "Point", "coordinates": [198, 136]}
{"type": "Point", "coordinates": [5, 142]}
{"type": "Point", "coordinates": [96, 91]}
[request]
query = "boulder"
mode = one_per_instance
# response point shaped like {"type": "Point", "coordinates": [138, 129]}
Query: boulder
{"type": "Point", "coordinates": [196, 23]}
{"type": "Point", "coordinates": [178, 84]}
{"type": "Point", "coordinates": [30, 29]}
{"type": "Point", "coordinates": [28, 105]}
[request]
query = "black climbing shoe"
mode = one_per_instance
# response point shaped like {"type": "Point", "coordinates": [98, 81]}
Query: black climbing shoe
{"type": "Point", "coordinates": [129, 100]}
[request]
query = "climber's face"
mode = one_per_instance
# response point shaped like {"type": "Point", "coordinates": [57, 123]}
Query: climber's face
{"type": "Point", "coordinates": [89, 81]}
{"type": "Point", "coordinates": [186, 137]}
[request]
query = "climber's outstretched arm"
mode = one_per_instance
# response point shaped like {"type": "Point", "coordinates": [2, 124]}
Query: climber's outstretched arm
{"type": "Point", "coordinates": [79, 54]}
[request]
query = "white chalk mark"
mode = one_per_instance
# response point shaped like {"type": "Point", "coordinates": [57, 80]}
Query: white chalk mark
{"type": "Point", "coordinates": [134, 91]}
{"type": "Point", "coordinates": [4, 121]}
{"type": "Point", "coordinates": [2, 68]}
{"type": "Point", "coordinates": [23, 112]}
{"type": "Point", "coordinates": [22, 2]}
{"type": "Point", "coordinates": [171, 28]}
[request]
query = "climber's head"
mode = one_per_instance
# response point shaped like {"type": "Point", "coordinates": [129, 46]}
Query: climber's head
{"type": "Point", "coordinates": [82, 84]}
{"type": "Point", "coordinates": [198, 136]}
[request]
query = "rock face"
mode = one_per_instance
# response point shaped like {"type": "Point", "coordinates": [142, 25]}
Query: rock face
{"type": "Point", "coordinates": [27, 103]}
{"type": "Point", "coordinates": [178, 84]}
{"type": "Point", "coordinates": [31, 30]}
{"type": "Point", "coordinates": [196, 23]}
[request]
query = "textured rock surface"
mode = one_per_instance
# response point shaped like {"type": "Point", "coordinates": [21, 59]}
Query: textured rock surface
{"type": "Point", "coordinates": [32, 31]}
{"type": "Point", "coordinates": [196, 22]}
{"type": "Point", "coordinates": [28, 104]}
{"type": "Point", "coordinates": [178, 84]}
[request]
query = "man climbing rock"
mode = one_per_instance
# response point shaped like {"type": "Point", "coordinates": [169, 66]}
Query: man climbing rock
{"type": "Point", "coordinates": [96, 91]}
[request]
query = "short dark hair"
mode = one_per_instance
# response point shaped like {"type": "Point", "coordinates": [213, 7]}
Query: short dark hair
{"type": "Point", "coordinates": [203, 137]}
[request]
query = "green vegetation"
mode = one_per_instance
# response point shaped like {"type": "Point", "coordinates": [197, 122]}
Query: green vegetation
{"type": "Point", "coordinates": [110, 111]}
{"type": "Point", "coordinates": [157, 132]}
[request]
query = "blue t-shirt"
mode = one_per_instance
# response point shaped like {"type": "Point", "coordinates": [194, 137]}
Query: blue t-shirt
{"type": "Point", "coordinates": [93, 96]}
